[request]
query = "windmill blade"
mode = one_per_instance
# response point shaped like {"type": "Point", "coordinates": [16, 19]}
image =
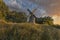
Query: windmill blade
{"type": "Point", "coordinates": [34, 10]}
{"type": "Point", "coordinates": [34, 16]}
{"type": "Point", "coordinates": [29, 11]}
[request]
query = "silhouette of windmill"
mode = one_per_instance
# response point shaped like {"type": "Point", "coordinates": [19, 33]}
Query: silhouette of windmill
{"type": "Point", "coordinates": [32, 16]}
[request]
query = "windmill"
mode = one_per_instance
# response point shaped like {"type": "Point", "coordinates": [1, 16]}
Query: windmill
{"type": "Point", "coordinates": [32, 16]}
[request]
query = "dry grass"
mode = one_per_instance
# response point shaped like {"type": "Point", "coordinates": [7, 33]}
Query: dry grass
{"type": "Point", "coordinates": [28, 31]}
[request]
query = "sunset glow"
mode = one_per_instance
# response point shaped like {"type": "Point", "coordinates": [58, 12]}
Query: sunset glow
{"type": "Point", "coordinates": [56, 19]}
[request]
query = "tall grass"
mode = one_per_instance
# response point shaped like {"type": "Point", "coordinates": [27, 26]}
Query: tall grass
{"type": "Point", "coordinates": [28, 31]}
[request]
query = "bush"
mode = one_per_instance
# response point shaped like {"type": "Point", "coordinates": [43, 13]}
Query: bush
{"type": "Point", "coordinates": [45, 20]}
{"type": "Point", "coordinates": [16, 17]}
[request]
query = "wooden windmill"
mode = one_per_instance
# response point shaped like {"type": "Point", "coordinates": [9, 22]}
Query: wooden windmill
{"type": "Point", "coordinates": [32, 16]}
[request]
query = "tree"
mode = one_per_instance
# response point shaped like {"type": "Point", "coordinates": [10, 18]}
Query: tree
{"type": "Point", "coordinates": [48, 20]}
{"type": "Point", "coordinates": [17, 17]}
{"type": "Point", "coordinates": [45, 20]}
{"type": "Point", "coordinates": [39, 20]}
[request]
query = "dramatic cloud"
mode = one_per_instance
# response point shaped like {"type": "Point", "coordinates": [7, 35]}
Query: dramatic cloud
{"type": "Point", "coordinates": [51, 6]}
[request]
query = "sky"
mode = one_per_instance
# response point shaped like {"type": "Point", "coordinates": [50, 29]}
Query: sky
{"type": "Point", "coordinates": [44, 7]}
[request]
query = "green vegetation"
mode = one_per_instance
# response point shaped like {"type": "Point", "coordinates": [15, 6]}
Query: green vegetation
{"type": "Point", "coordinates": [3, 9]}
{"type": "Point", "coordinates": [16, 17]}
{"type": "Point", "coordinates": [45, 20]}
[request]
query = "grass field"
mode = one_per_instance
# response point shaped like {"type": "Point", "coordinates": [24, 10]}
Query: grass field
{"type": "Point", "coordinates": [28, 31]}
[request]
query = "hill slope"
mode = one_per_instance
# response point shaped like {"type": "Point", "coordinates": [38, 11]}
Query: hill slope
{"type": "Point", "coordinates": [28, 31]}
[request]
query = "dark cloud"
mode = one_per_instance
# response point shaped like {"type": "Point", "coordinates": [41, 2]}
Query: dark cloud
{"type": "Point", "coordinates": [51, 6]}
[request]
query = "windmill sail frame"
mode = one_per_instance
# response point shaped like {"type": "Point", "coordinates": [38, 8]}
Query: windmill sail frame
{"type": "Point", "coordinates": [32, 16]}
